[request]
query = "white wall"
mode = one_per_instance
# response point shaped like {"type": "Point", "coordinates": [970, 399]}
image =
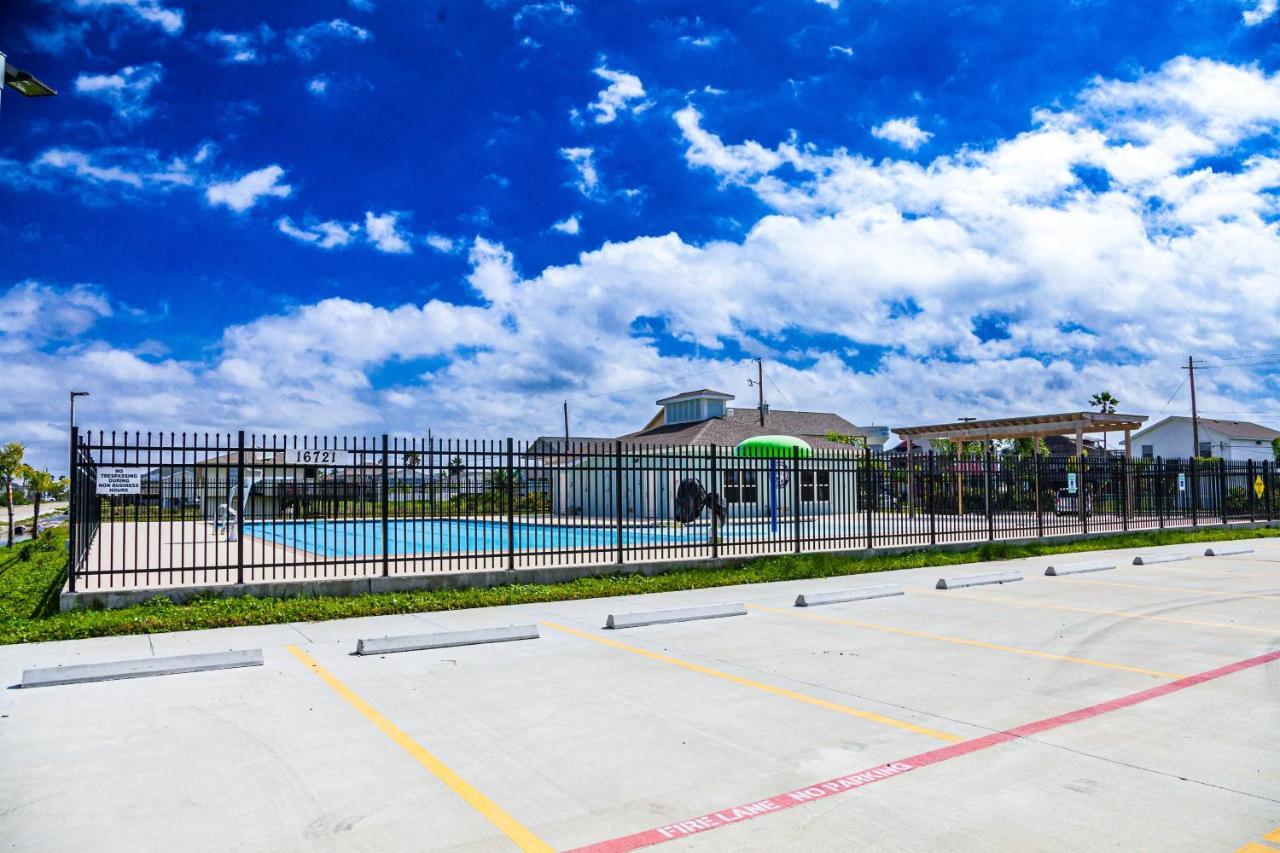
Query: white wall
{"type": "Point", "coordinates": [1173, 440]}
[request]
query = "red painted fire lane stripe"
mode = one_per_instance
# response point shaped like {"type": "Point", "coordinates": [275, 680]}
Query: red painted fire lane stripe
{"type": "Point", "coordinates": [840, 784]}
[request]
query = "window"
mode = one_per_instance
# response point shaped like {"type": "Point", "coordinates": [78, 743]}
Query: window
{"type": "Point", "coordinates": [1148, 451]}
{"type": "Point", "coordinates": [682, 412]}
{"type": "Point", "coordinates": [1206, 448]}
{"type": "Point", "coordinates": [815, 486]}
{"type": "Point", "coordinates": [740, 487]}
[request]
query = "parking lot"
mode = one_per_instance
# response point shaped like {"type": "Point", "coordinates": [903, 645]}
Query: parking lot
{"type": "Point", "coordinates": [1137, 708]}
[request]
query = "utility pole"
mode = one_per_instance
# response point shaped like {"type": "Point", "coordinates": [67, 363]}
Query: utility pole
{"type": "Point", "coordinates": [1195, 417]}
{"type": "Point", "coordinates": [566, 424]}
{"type": "Point", "coordinates": [760, 387]}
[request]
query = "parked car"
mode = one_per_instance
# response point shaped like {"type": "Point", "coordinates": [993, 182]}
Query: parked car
{"type": "Point", "coordinates": [1064, 503]}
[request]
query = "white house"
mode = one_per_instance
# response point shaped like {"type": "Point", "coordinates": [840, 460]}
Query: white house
{"type": "Point", "coordinates": [675, 445]}
{"type": "Point", "coordinates": [1171, 438]}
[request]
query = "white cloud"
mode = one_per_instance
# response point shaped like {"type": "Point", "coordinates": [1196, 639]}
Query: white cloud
{"type": "Point", "coordinates": [841, 49]}
{"type": "Point", "coordinates": [307, 42]}
{"type": "Point", "coordinates": [241, 47]}
{"type": "Point", "coordinates": [583, 161]}
{"type": "Point", "coordinates": [618, 96]}
{"type": "Point", "coordinates": [323, 235]}
{"type": "Point", "coordinates": [318, 86]}
{"type": "Point", "coordinates": [570, 225]}
{"type": "Point", "coordinates": [31, 313]}
{"type": "Point", "coordinates": [1261, 11]}
{"type": "Point", "coordinates": [902, 131]}
{"type": "Point", "coordinates": [830, 4]}
{"type": "Point", "coordinates": [361, 5]}
{"type": "Point", "coordinates": [1105, 282]}
{"type": "Point", "coordinates": [126, 91]}
{"type": "Point", "coordinates": [554, 11]}
{"type": "Point", "coordinates": [247, 190]}
{"type": "Point", "coordinates": [383, 232]}
{"type": "Point", "coordinates": [441, 243]}
{"type": "Point", "coordinates": [150, 11]}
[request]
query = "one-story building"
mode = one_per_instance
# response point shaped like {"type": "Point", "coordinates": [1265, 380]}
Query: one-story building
{"type": "Point", "coordinates": [1172, 438]}
{"type": "Point", "coordinates": [677, 444]}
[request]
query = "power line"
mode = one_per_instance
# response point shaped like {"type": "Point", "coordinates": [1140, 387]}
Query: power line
{"type": "Point", "coordinates": [1174, 394]}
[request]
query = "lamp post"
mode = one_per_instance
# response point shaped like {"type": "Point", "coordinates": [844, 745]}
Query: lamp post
{"type": "Point", "coordinates": [22, 81]}
{"type": "Point", "coordinates": [75, 394]}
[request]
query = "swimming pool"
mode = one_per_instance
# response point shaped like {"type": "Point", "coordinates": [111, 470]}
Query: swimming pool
{"type": "Point", "coordinates": [454, 536]}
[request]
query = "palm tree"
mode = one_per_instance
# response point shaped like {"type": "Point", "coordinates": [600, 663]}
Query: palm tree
{"type": "Point", "coordinates": [1106, 405]}
{"type": "Point", "coordinates": [38, 484]}
{"type": "Point", "coordinates": [10, 467]}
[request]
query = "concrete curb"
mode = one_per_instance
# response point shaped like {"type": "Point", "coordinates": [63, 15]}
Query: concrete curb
{"type": "Point", "coordinates": [1077, 568]}
{"type": "Point", "coordinates": [1226, 551]}
{"type": "Point", "coordinates": [144, 668]}
{"type": "Point", "coordinates": [445, 639]}
{"type": "Point", "coordinates": [866, 592]}
{"type": "Point", "coordinates": [978, 580]}
{"type": "Point", "coordinates": [1147, 560]}
{"type": "Point", "coordinates": [675, 614]}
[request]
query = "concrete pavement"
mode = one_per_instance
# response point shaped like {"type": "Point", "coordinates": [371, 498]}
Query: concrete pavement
{"type": "Point", "coordinates": [587, 735]}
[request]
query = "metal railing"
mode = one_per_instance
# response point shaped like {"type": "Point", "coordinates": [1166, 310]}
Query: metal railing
{"type": "Point", "coordinates": [151, 509]}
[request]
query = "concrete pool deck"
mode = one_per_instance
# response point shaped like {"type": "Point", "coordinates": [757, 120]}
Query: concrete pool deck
{"type": "Point", "coordinates": [128, 562]}
{"type": "Point", "coordinates": [693, 734]}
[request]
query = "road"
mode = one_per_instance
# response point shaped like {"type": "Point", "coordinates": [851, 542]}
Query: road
{"type": "Point", "coordinates": [1135, 708]}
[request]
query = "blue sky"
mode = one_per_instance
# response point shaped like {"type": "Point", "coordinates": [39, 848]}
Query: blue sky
{"type": "Point", "coordinates": [358, 216]}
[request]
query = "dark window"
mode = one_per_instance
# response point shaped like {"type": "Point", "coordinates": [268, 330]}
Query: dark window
{"type": "Point", "coordinates": [1206, 448]}
{"type": "Point", "coordinates": [1148, 451]}
{"type": "Point", "coordinates": [740, 487]}
{"type": "Point", "coordinates": [815, 486]}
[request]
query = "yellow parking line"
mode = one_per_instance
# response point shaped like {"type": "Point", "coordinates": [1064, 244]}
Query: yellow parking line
{"type": "Point", "coordinates": [1178, 589]}
{"type": "Point", "coordinates": [1255, 847]}
{"type": "Point", "coordinates": [514, 830]}
{"type": "Point", "coordinates": [1120, 613]}
{"type": "Point", "coordinates": [1273, 835]}
{"type": "Point", "coordinates": [906, 632]}
{"type": "Point", "coordinates": [758, 685]}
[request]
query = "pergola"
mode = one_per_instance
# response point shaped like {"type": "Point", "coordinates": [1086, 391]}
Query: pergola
{"type": "Point", "coordinates": [1030, 426]}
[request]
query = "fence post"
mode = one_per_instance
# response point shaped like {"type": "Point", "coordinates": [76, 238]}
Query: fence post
{"type": "Point", "coordinates": [1160, 491]}
{"type": "Point", "coordinates": [986, 488]}
{"type": "Point", "coordinates": [240, 508]}
{"type": "Point", "coordinates": [511, 505]}
{"type": "Point", "coordinates": [795, 495]}
{"type": "Point", "coordinates": [617, 494]}
{"type": "Point", "coordinates": [73, 512]}
{"type": "Point", "coordinates": [1269, 486]}
{"type": "Point", "coordinates": [1248, 488]}
{"type": "Point", "coordinates": [715, 510]}
{"type": "Point", "coordinates": [1193, 484]}
{"type": "Point", "coordinates": [933, 531]}
{"type": "Point", "coordinates": [871, 495]}
{"type": "Point", "coordinates": [386, 507]}
{"type": "Point", "coordinates": [1082, 493]}
{"type": "Point", "coordinates": [1124, 489]}
{"type": "Point", "coordinates": [1222, 489]}
{"type": "Point", "coordinates": [1035, 447]}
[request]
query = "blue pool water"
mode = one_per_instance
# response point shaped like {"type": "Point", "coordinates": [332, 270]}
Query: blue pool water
{"type": "Point", "coordinates": [450, 536]}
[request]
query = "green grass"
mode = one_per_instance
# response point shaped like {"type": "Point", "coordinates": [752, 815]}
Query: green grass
{"type": "Point", "coordinates": [29, 587]}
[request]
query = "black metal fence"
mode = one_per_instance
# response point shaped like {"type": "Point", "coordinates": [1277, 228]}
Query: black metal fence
{"type": "Point", "coordinates": [155, 509]}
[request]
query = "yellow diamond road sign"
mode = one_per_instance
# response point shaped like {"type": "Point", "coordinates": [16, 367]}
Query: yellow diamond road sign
{"type": "Point", "coordinates": [1258, 488]}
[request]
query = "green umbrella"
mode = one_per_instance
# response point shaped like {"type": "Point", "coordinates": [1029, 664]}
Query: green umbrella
{"type": "Point", "coordinates": [775, 446]}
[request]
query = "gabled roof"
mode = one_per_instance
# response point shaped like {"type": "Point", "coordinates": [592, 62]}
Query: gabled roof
{"type": "Point", "coordinates": [1247, 430]}
{"type": "Point", "coordinates": [745, 423]}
